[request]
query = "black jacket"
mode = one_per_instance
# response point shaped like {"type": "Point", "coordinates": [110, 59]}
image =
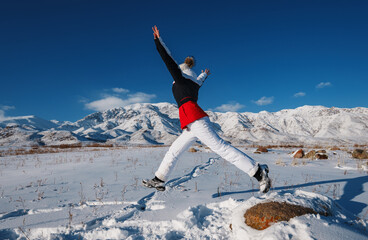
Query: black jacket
{"type": "Point", "coordinates": [185, 87]}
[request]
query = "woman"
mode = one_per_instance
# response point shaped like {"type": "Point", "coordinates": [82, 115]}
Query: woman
{"type": "Point", "coordinates": [196, 124]}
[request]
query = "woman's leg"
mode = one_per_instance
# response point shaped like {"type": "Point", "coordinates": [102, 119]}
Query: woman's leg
{"type": "Point", "coordinates": [203, 130]}
{"type": "Point", "coordinates": [180, 145]}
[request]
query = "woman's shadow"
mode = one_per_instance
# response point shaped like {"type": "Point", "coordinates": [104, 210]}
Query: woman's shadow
{"type": "Point", "coordinates": [353, 188]}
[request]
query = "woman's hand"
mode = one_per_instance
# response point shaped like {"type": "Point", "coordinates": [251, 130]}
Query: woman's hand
{"type": "Point", "coordinates": [207, 71]}
{"type": "Point", "coordinates": [156, 32]}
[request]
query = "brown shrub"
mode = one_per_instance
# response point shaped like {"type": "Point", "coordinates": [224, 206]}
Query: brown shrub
{"type": "Point", "coordinates": [360, 145]}
{"type": "Point", "coordinates": [262, 149]}
{"type": "Point", "coordinates": [311, 154]}
{"type": "Point", "coordinates": [22, 151]}
{"type": "Point", "coordinates": [335, 148]}
{"type": "Point", "coordinates": [316, 146]}
{"type": "Point", "coordinates": [193, 150]}
{"type": "Point", "coordinates": [262, 215]}
{"type": "Point", "coordinates": [360, 154]}
{"type": "Point", "coordinates": [140, 146]}
{"type": "Point", "coordinates": [278, 146]}
{"type": "Point", "coordinates": [64, 146]}
{"type": "Point", "coordinates": [321, 156]}
{"type": "Point", "coordinates": [107, 145]}
{"type": "Point", "coordinates": [290, 146]}
{"type": "Point", "coordinates": [321, 151]}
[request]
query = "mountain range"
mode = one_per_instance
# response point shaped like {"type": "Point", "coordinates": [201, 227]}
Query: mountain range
{"type": "Point", "coordinates": [147, 124]}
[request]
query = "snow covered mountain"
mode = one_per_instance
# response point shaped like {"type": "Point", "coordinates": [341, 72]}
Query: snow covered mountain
{"type": "Point", "coordinates": [32, 130]}
{"type": "Point", "coordinates": [134, 124]}
{"type": "Point", "coordinates": [159, 124]}
{"type": "Point", "coordinates": [29, 123]}
{"type": "Point", "coordinates": [307, 124]}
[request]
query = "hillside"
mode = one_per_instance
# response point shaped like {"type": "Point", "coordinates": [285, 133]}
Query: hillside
{"type": "Point", "coordinates": [159, 124]}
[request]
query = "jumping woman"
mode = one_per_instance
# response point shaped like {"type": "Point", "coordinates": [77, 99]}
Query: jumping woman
{"type": "Point", "coordinates": [196, 124]}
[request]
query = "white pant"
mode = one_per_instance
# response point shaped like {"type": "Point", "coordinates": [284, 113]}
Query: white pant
{"type": "Point", "coordinates": [202, 130]}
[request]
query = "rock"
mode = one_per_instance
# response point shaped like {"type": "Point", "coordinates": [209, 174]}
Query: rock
{"type": "Point", "coordinates": [298, 154]}
{"type": "Point", "coordinates": [257, 152]}
{"type": "Point", "coordinates": [311, 154]}
{"type": "Point", "coordinates": [262, 215]}
{"type": "Point", "coordinates": [262, 149]}
{"type": "Point", "coordinates": [360, 154]}
{"type": "Point", "coordinates": [321, 151]}
{"type": "Point", "coordinates": [321, 156]}
{"type": "Point", "coordinates": [335, 148]}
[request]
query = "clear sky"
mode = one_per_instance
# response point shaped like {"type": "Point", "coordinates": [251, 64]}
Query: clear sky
{"type": "Point", "coordinates": [65, 59]}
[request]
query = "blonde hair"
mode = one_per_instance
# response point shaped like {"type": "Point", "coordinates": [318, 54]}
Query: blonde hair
{"type": "Point", "coordinates": [189, 61]}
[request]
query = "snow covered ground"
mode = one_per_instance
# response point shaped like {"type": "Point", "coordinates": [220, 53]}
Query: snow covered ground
{"type": "Point", "coordinates": [97, 194]}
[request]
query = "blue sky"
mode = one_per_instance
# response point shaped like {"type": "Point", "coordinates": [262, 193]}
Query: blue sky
{"type": "Point", "coordinates": [66, 59]}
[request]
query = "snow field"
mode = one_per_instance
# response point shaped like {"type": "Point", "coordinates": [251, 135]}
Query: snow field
{"type": "Point", "coordinates": [97, 194]}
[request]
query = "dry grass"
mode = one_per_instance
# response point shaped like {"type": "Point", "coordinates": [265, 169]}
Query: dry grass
{"type": "Point", "coordinates": [55, 149]}
{"type": "Point", "coordinates": [360, 154]}
{"type": "Point", "coordinates": [94, 146]}
{"type": "Point", "coordinates": [311, 154]}
{"type": "Point", "coordinates": [105, 145]}
{"type": "Point", "coordinates": [322, 151]}
{"type": "Point", "coordinates": [150, 146]}
{"type": "Point", "coordinates": [22, 151]}
{"type": "Point", "coordinates": [360, 145]}
{"type": "Point", "coordinates": [311, 146]}
{"type": "Point", "coordinates": [262, 149]}
{"type": "Point", "coordinates": [335, 148]}
{"type": "Point", "coordinates": [295, 162]}
{"type": "Point", "coordinates": [278, 146]}
{"type": "Point", "coordinates": [280, 162]}
{"type": "Point", "coordinates": [64, 146]}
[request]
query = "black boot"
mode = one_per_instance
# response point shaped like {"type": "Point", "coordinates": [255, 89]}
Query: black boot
{"type": "Point", "coordinates": [263, 179]}
{"type": "Point", "coordinates": [154, 183]}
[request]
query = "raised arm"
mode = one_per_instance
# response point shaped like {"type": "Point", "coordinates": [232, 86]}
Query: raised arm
{"type": "Point", "coordinates": [165, 54]}
{"type": "Point", "coordinates": [203, 75]}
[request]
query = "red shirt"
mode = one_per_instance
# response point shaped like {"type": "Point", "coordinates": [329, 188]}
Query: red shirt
{"type": "Point", "coordinates": [190, 112]}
